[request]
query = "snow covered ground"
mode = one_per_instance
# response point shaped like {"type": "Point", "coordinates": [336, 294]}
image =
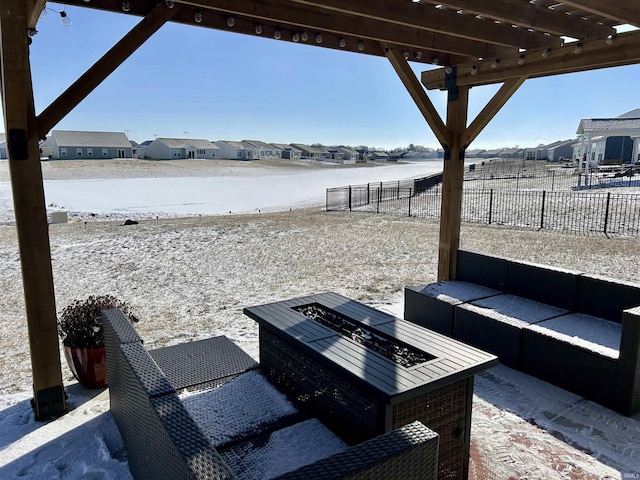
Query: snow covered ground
{"type": "Point", "coordinates": [189, 278]}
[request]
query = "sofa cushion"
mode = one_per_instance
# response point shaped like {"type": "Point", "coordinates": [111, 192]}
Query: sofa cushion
{"type": "Point", "coordinates": [584, 331]}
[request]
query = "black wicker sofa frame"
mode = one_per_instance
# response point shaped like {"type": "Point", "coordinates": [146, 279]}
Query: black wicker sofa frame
{"type": "Point", "coordinates": [164, 442]}
{"type": "Point", "coordinates": [578, 331]}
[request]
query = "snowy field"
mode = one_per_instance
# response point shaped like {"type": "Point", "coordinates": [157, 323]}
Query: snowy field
{"type": "Point", "coordinates": [189, 278]}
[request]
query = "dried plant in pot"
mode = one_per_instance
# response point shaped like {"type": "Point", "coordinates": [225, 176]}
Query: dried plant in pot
{"type": "Point", "coordinates": [83, 338]}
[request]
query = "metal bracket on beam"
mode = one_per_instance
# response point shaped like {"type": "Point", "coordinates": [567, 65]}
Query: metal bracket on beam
{"type": "Point", "coordinates": [18, 144]}
{"type": "Point", "coordinates": [451, 82]}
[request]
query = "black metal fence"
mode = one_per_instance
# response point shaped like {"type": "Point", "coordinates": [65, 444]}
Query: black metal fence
{"type": "Point", "coordinates": [576, 212]}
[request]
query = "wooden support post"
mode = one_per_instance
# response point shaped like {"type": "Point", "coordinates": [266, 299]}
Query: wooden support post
{"type": "Point", "coordinates": [30, 211]}
{"type": "Point", "coordinates": [452, 180]}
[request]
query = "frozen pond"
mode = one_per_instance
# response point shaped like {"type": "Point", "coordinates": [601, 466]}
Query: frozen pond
{"type": "Point", "coordinates": [208, 195]}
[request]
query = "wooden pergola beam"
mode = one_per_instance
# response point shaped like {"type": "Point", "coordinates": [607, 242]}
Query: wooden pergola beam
{"type": "Point", "coordinates": [418, 94]}
{"type": "Point", "coordinates": [30, 210]}
{"type": "Point", "coordinates": [623, 49]}
{"type": "Point", "coordinates": [34, 9]}
{"type": "Point", "coordinates": [627, 11]}
{"type": "Point", "coordinates": [425, 17]}
{"type": "Point", "coordinates": [97, 73]}
{"type": "Point", "coordinates": [530, 15]}
{"type": "Point", "coordinates": [302, 17]}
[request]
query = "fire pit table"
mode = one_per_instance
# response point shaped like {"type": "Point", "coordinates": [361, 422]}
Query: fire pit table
{"type": "Point", "coordinates": [364, 372]}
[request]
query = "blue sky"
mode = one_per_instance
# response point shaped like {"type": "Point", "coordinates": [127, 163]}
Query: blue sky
{"type": "Point", "coordinates": [218, 85]}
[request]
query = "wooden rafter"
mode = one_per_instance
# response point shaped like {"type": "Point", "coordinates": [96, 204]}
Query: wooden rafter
{"type": "Point", "coordinates": [418, 94]}
{"type": "Point", "coordinates": [627, 11]}
{"type": "Point", "coordinates": [528, 15]}
{"type": "Point", "coordinates": [34, 9]}
{"type": "Point", "coordinates": [303, 17]}
{"type": "Point", "coordinates": [425, 17]}
{"type": "Point", "coordinates": [111, 60]}
{"type": "Point", "coordinates": [623, 49]}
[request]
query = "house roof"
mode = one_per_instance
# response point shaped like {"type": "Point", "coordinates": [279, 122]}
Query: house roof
{"type": "Point", "coordinates": [242, 145]}
{"type": "Point", "coordinates": [286, 147]}
{"type": "Point", "coordinates": [632, 114]}
{"type": "Point", "coordinates": [612, 126]}
{"type": "Point", "coordinates": [261, 144]}
{"type": "Point", "coordinates": [309, 149]}
{"type": "Point", "coordinates": [187, 142]}
{"type": "Point", "coordinates": [72, 138]}
{"type": "Point", "coordinates": [144, 144]}
{"type": "Point", "coordinates": [348, 151]}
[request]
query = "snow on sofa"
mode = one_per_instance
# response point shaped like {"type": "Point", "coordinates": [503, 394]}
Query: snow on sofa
{"type": "Point", "coordinates": [203, 410]}
{"type": "Point", "coordinates": [575, 330]}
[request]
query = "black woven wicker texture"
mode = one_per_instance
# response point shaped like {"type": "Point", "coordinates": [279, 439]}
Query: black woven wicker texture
{"type": "Point", "coordinates": [446, 411]}
{"type": "Point", "coordinates": [408, 453]}
{"type": "Point", "coordinates": [352, 413]}
{"type": "Point", "coordinates": [195, 363]}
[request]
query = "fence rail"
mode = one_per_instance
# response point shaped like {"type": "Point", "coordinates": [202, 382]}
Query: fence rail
{"type": "Point", "coordinates": [609, 213]}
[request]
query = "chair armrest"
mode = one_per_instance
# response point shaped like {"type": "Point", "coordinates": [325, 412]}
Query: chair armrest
{"type": "Point", "coordinates": [407, 453]}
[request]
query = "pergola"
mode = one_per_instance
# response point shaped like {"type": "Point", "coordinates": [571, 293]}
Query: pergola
{"type": "Point", "coordinates": [472, 42]}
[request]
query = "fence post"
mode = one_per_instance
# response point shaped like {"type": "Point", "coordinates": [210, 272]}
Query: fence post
{"type": "Point", "coordinates": [544, 194]}
{"type": "Point", "coordinates": [410, 202]}
{"type": "Point", "coordinates": [349, 197]}
{"type": "Point", "coordinates": [553, 179]}
{"type": "Point", "coordinates": [606, 213]}
{"type": "Point", "coordinates": [368, 195]}
{"type": "Point", "coordinates": [490, 204]}
{"type": "Point", "coordinates": [379, 195]}
{"type": "Point", "coordinates": [398, 189]}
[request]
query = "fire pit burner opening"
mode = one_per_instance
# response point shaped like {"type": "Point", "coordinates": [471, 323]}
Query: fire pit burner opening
{"type": "Point", "coordinates": [400, 353]}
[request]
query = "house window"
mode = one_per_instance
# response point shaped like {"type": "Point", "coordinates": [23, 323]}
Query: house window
{"type": "Point", "coordinates": [202, 152]}
{"type": "Point", "coordinates": [239, 154]}
{"type": "Point", "coordinates": [79, 152]}
{"type": "Point", "coordinates": [105, 152]}
{"type": "Point", "coordinates": [89, 152]}
{"type": "Point", "coordinates": [63, 152]}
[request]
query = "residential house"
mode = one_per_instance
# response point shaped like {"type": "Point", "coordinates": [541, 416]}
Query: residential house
{"type": "Point", "coordinates": [163, 148]}
{"type": "Point", "coordinates": [232, 150]}
{"type": "Point", "coordinates": [265, 150]}
{"type": "Point", "coordinates": [559, 151]}
{"type": "Point", "coordinates": [476, 153]}
{"type": "Point", "coordinates": [349, 155]}
{"type": "Point", "coordinates": [3, 146]}
{"type": "Point", "coordinates": [71, 145]}
{"type": "Point", "coordinates": [140, 151]}
{"type": "Point", "coordinates": [312, 153]}
{"type": "Point", "coordinates": [45, 148]}
{"type": "Point", "coordinates": [493, 153]}
{"type": "Point", "coordinates": [379, 156]}
{"type": "Point", "coordinates": [511, 153]}
{"type": "Point", "coordinates": [606, 141]}
{"type": "Point", "coordinates": [288, 152]}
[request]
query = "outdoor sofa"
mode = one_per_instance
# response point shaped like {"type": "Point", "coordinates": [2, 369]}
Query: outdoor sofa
{"type": "Point", "coordinates": [578, 331]}
{"type": "Point", "coordinates": [165, 441]}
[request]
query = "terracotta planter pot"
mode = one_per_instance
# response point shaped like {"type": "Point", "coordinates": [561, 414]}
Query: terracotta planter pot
{"type": "Point", "coordinates": [88, 365]}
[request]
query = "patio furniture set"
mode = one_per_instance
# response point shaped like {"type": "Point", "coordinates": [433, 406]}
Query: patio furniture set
{"type": "Point", "coordinates": [578, 331]}
{"type": "Point", "coordinates": [356, 393]}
